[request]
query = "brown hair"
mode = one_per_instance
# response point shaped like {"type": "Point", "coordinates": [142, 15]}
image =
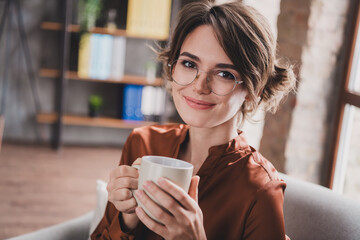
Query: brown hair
{"type": "Point", "coordinates": [246, 38]}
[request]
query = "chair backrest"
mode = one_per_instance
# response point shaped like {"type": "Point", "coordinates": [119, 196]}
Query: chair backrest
{"type": "Point", "coordinates": [313, 212]}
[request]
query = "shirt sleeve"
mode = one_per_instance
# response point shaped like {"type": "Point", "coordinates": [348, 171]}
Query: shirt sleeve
{"type": "Point", "coordinates": [265, 218]}
{"type": "Point", "coordinates": [110, 225]}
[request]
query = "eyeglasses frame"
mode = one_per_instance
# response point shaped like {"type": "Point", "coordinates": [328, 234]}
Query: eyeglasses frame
{"type": "Point", "coordinates": [236, 82]}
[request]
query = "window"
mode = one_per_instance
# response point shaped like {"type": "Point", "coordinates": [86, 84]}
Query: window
{"type": "Point", "coordinates": [344, 177]}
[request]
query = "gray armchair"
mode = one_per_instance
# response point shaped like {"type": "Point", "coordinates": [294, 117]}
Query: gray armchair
{"type": "Point", "coordinates": [312, 212]}
{"type": "Point", "coordinates": [75, 229]}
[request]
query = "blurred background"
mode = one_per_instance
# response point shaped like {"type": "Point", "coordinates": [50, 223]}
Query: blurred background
{"type": "Point", "coordinates": [77, 76]}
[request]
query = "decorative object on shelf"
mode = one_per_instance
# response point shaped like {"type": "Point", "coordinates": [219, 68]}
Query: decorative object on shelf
{"type": "Point", "coordinates": [110, 24]}
{"type": "Point", "coordinates": [89, 11]}
{"type": "Point", "coordinates": [95, 104]}
{"type": "Point", "coordinates": [150, 72]}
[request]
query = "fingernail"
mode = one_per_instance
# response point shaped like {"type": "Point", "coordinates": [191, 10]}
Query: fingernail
{"type": "Point", "coordinates": [147, 184]}
{"type": "Point", "coordinates": [139, 194]}
{"type": "Point", "coordinates": [161, 180]}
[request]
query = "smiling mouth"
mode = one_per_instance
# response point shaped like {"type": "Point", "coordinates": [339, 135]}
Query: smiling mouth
{"type": "Point", "coordinates": [197, 104]}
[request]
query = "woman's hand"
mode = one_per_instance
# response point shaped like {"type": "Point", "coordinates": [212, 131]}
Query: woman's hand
{"type": "Point", "coordinates": [122, 180]}
{"type": "Point", "coordinates": [184, 218]}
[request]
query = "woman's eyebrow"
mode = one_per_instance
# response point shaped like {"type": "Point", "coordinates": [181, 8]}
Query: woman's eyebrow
{"type": "Point", "coordinates": [225, 65]}
{"type": "Point", "coordinates": [219, 65]}
{"type": "Point", "coordinates": [187, 54]}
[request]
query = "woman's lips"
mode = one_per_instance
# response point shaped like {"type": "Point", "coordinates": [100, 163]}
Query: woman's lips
{"type": "Point", "coordinates": [198, 104]}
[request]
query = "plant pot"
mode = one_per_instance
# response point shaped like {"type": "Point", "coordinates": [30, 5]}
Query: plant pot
{"type": "Point", "coordinates": [93, 112]}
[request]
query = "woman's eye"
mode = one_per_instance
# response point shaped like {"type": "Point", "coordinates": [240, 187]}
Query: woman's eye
{"type": "Point", "coordinates": [226, 75]}
{"type": "Point", "coordinates": [188, 64]}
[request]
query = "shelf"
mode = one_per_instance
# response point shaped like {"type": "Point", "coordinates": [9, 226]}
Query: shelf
{"type": "Point", "coordinates": [127, 79]}
{"type": "Point", "coordinates": [50, 118]}
{"type": "Point", "coordinates": [54, 26]}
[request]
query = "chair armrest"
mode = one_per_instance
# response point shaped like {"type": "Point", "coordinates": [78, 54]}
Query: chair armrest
{"type": "Point", "coordinates": [315, 212]}
{"type": "Point", "coordinates": [75, 229]}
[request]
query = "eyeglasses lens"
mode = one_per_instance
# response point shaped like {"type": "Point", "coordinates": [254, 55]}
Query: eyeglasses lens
{"type": "Point", "coordinates": [184, 73]}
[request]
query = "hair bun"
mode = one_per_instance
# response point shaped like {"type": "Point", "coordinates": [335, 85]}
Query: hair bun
{"type": "Point", "coordinates": [281, 82]}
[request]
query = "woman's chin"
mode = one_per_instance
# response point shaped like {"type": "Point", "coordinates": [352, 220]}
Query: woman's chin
{"type": "Point", "coordinates": [197, 122]}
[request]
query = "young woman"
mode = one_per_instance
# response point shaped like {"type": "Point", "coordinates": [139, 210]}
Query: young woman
{"type": "Point", "coordinates": [221, 66]}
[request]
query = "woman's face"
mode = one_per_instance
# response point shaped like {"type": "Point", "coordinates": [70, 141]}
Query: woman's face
{"type": "Point", "coordinates": [196, 104]}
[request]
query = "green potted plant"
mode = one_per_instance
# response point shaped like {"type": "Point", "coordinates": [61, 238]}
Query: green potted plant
{"type": "Point", "coordinates": [95, 104]}
{"type": "Point", "coordinates": [89, 11]}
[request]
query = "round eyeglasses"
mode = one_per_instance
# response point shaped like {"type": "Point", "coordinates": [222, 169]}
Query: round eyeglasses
{"type": "Point", "coordinates": [220, 81]}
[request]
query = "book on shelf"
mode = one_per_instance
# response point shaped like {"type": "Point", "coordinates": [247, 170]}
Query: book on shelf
{"type": "Point", "coordinates": [148, 18]}
{"type": "Point", "coordinates": [132, 102]}
{"type": "Point", "coordinates": [105, 56]}
{"type": "Point", "coordinates": [118, 58]}
{"type": "Point", "coordinates": [84, 55]}
{"type": "Point", "coordinates": [153, 103]}
{"type": "Point", "coordinates": [101, 51]}
{"type": "Point", "coordinates": [160, 15]}
{"type": "Point", "coordinates": [94, 55]}
{"type": "Point", "coordinates": [132, 22]}
{"type": "Point", "coordinates": [101, 56]}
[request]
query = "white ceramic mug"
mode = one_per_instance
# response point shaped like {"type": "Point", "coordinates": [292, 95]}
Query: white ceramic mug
{"type": "Point", "coordinates": [154, 167]}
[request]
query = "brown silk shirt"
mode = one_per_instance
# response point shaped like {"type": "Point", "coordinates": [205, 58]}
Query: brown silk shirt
{"type": "Point", "coordinates": [240, 194]}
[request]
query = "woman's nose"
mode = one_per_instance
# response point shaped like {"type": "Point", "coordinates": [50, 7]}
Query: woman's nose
{"type": "Point", "coordinates": [200, 84]}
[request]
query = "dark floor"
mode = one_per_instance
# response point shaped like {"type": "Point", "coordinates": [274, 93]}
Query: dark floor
{"type": "Point", "coordinates": [40, 187]}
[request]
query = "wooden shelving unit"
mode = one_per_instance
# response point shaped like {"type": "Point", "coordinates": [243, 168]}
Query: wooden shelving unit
{"type": "Point", "coordinates": [59, 117]}
{"type": "Point", "coordinates": [127, 79]}
{"type": "Point", "coordinates": [54, 26]}
{"type": "Point", "coordinates": [51, 118]}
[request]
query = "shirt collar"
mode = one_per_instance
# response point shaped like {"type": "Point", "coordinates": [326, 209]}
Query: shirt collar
{"type": "Point", "coordinates": [238, 144]}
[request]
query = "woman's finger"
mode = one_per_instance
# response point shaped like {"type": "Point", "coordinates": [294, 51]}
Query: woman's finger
{"type": "Point", "coordinates": [165, 200]}
{"type": "Point", "coordinates": [124, 182]}
{"type": "Point", "coordinates": [137, 161]}
{"type": "Point", "coordinates": [150, 223]}
{"type": "Point", "coordinates": [124, 171]}
{"type": "Point", "coordinates": [177, 192]}
{"type": "Point", "coordinates": [155, 210]}
{"type": "Point", "coordinates": [127, 206]}
{"type": "Point", "coordinates": [121, 194]}
{"type": "Point", "coordinates": [193, 189]}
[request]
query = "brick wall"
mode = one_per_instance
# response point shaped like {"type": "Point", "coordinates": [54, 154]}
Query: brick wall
{"type": "Point", "coordinates": [311, 35]}
{"type": "Point", "coordinates": [312, 120]}
{"type": "Point", "coordinates": [292, 34]}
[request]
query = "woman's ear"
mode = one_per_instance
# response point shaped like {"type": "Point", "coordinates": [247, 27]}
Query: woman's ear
{"type": "Point", "coordinates": [247, 95]}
